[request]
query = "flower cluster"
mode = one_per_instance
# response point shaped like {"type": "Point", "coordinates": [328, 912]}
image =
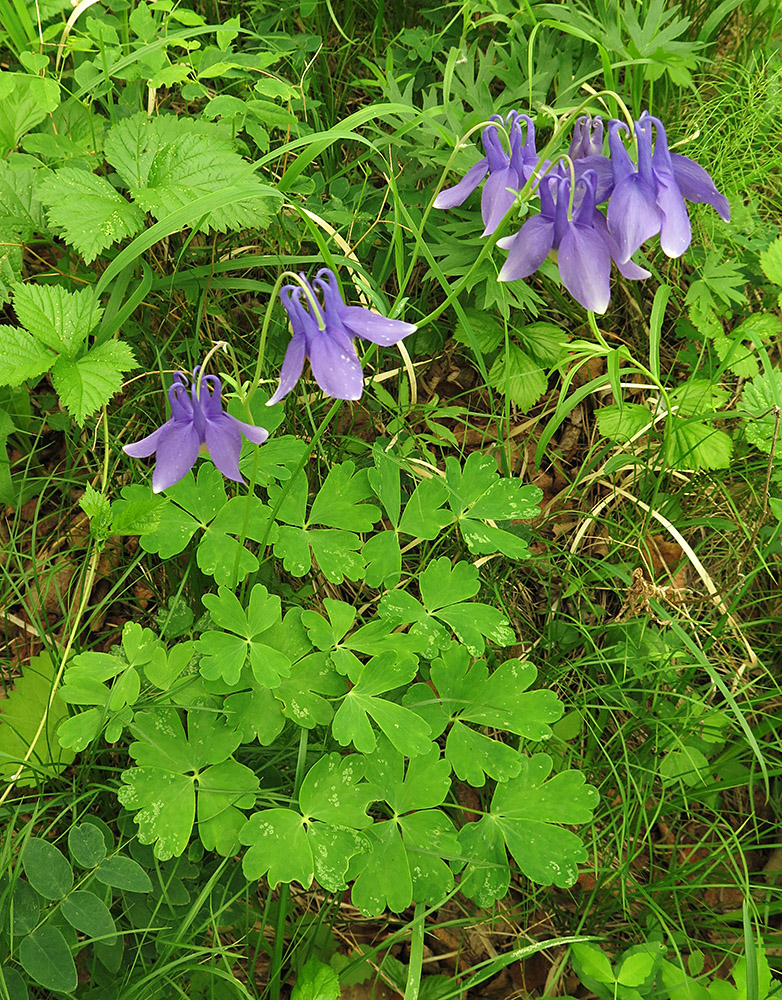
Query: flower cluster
{"type": "Point", "coordinates": [644, 198]}
{"type": "Point", "coordinates": [323, 331]}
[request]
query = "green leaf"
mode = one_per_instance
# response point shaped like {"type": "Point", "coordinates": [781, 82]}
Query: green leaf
{"type": "Point", "coordinates": [408, 857]}
{"type": "Point", "coordinates": [523, 812]}
{"type": "Point", "coordinates": [589, 960]}
{"type": "Point", "coordinates": [97, 507]}
{"type": "Point", "coordinates": [384, 480]}
{"type": "Point", "coordinates": [771, 262]}
{"type": "Point", "coordinates": [477, 495]}
{"type": "Point", "coordinates": [47, 868]}
{"type": "Point", "coordinates": [636, 969]}
{"type": "Point", "coordinates": [23, 357]}
{"type": "Point", "coordinates": [301, 694]}
{"type": "Point", "coordinates": [25, 105]}
{"type": "Point", "coordinates": [18, 201]}
{"type": "Point", "coordinates": [162, 789]}
{"type": "Point", "coordinates": [278, 845]}
{"type": "Point", "coordinates": [479, 329]}
{"type": "Point", "coordinates": [170, 163]}
{"type": "Point", "coordinates": [473, 756]}
{"type": "Point", "coordinates": [383, 558]}
{"type": "Point", "coordinates": [224, 655]}
{"type": "Point", "coordinates": [622, 423]}
{"type": "Point", "coordinates": [760, 397]}
{"type": "Point", "coordinates": [20, 716]}
{"type": "Point", "coordinates": [316, 981]}
{"type": "Point", "coordinates": [92, 214]}
{"type": "Point", "coordinates": [89, 383]}
{"type": "Point", "coordinates": [333, 791]}
{"type": "Point", "coordinates": [424, 515]}
{"type": "Point", "coordinates": [90, 915]}
{"type": "Point", "coordinates": [693, 444]}
{"type": "Point", "coordinates": [137, 512]}
{"type": "Point", "coordinates": [406, 730]}
{"type": "Point", "coordinates": [27, 908]}
{"type": "Point", "coordinates": [57, 318]}
{"type": "Point", "coordinates": [15, 986]}
{"type": "Point", "coordinates": [516, 375]}
{"type": "Point", "coordinates": [223, 791]}
{"type": "Point", "coordinates": [46, 958]}
{"type": "Point", "coordinates": [86, 845]}
{"type": "Point", "coordinates": [122, 872]}
{"type": "Point", "coordinates": [338, 503]}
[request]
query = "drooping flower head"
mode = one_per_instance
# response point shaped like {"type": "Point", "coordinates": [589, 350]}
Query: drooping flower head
{"type": "Point", "coordinates": [507, 173]}
{"type": "Point", "coordinates": [323, 331]}
{"type": "Point", "coordinates": [583, 258]}
{"type": "Point", "coordinates": [198, 425]}
{"type": "Point", "coordinates": [649, 198]}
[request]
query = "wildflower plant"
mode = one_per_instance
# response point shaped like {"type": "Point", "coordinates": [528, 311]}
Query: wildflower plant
{"type": "Point", "coordinates": [427, 756]}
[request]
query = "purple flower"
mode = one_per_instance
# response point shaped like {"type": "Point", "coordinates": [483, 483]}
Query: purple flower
{"type": "Point", "coordinates": [507, 173]}
{"type": "Point", "coordinates": [329, 346]}
{"type": "Point", "coordinates": [197, 426]}
{"type": "Point", "coordinates": [649, 199]}
{"type": "Point", "coordinates": [587, 138]}
{"type": "Point", "coordinates": [584, 257]}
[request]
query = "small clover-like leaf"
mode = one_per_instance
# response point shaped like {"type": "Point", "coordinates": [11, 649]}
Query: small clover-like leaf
{"type": "Point", "coordinates": [406, 730]}
{"type": "Point", "coordinates": [333, 791]}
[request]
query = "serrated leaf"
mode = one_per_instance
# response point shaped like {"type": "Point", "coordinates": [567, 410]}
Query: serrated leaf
{"type": "Point", "coordinates": [693, 444]}
{"type": "Point", "coordinates": [760, 397]}
{"type": "Point", "coordinates": [516, 375]}
{"type": "Point", "coordinates": [89, 383]}
{"type": "Point", "coordinates": [19, 205]}
{"type": "Point", "coordinates": [316, 981]}
{"type": "Point", "coordinates": [479, 330]}
{"type": "Point", "coordinates": [771, 261]}
{"type": "Point", "coordinates": [23, 357]}
{"type": "Point", "coordinates": [622, 423]}
{"type": "Point", "coordinates": [57, 318]}
{"type": "Point", "coordinates": [91, 212]}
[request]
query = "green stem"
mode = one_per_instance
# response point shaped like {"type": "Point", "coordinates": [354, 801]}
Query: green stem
{"type": "Point", "coordinates": [416, 954]}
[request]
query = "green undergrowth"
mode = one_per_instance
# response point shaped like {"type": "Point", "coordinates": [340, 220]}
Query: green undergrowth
{"type": "Point", "coordinates": [472, 688]}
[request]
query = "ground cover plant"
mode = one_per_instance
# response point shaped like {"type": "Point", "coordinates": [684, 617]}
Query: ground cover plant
{"type": "Point", "coordinates": [389, 420]}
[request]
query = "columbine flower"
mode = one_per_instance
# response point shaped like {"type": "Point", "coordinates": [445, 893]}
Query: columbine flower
{"type": "Point", "coordinates": [584, 258]}
{"type": "Point", "coordinates": [507, 174]}
{"type": "Point", "coordinates": [649, 198]}
{"type": "Point", "coordinates": [329, 346]}
{"type": "Point", "coordinates": [197, 425]}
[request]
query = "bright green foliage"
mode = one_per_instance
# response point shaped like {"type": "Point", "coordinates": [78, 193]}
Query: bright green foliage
{"type": "Point", "coordinates": [291, 846]}
{"type": "Point", "coordinates": [339, 506]}
{"type": "Point", "coordinates": [91, 213]}
{"type": "Point", "coordinates": [760, 397]}
{"type": "Point", "coordinates": [225, 653]}
{"type": "Point", "coordinates": [406, 861]}
{"type": "Point", "coordinates": [468, 693]}
{"type": "Point", "coordinates": [516, 375]}
{"type": "Point", "coordinates": [623, 423]}
{"type": "Point", "coordinates": [20, 714]}
{"type": "Point", "coordinates": [406, 730]}
{"type": "Point", "coordinates": [171, 765]}
{"type": "Point", "coordinates": [87, 683]}
{"type": "Point", "coordinates": [477, 495]}
{"type": "Point", "coordinates": [57, 325]}
{"type": "Point", "coordinates": [695, 444]}
{"type": "Point", "coordinates": [203, 503]}
{"type": "Point", "coordinates": [168, 162]}
{"type": "Point", "coordinates": [25, 100]}
{"type": "Point", "coordinates": [522, 817]}
{"type": "Point", "coordinates": [316, 981]}
{"type": "Point", "coordinates": [445, 593]}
